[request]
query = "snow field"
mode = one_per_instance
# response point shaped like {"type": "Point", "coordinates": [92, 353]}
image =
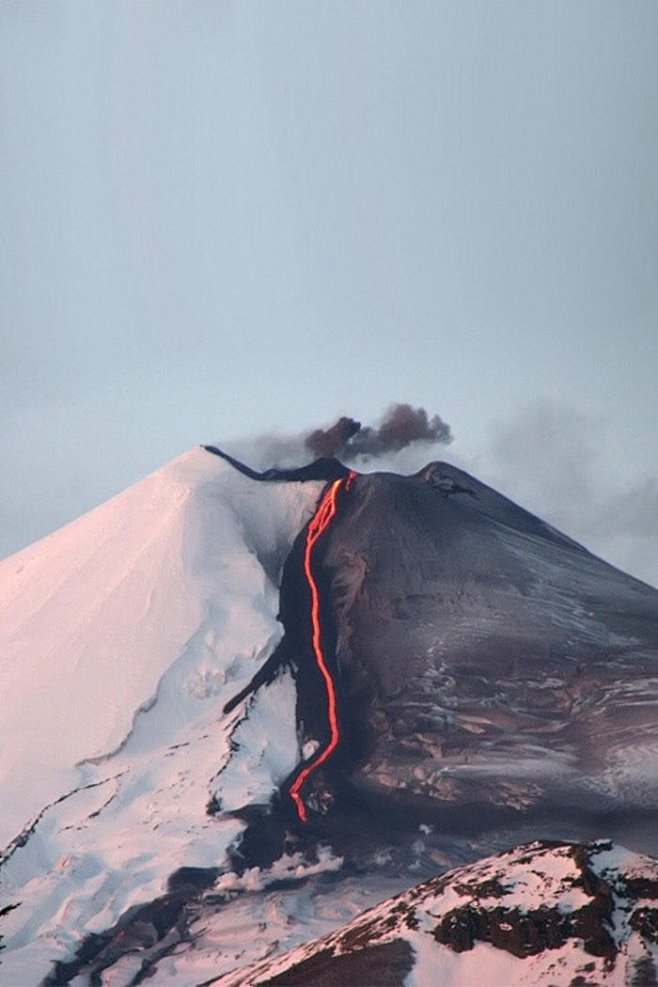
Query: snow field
{"type": "Point", "coordinates": [124, 634]}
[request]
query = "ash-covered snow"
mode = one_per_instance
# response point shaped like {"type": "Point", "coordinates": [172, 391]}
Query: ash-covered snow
{"type": "Point", "coordinates": [490, 660]}
{"type": "Point", "coordinates": [124, 634]}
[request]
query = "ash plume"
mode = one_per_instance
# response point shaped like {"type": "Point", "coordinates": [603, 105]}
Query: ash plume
{"type": "Point", "coordinates": [571, 485]}
{"type": "Point", "coordinates": [401, 441]}
{"type": "Point", "coordinates": [332, 441]}
{"type": "Point", "coordinates": [401, 426]}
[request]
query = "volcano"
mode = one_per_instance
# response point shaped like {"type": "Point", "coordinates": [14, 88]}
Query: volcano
{"type": "Point", "coordinates": [274, 699]}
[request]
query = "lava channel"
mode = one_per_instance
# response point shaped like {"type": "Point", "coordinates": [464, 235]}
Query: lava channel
{"type": "Point", "coordinates": [321, 520]}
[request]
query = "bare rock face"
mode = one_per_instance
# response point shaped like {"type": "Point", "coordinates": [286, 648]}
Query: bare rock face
{"type": "Point", "coordinates": [543, 913]}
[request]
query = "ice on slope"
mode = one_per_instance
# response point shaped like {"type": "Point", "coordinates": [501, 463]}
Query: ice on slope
{"type": "Point", "coordinates": [124, 634]}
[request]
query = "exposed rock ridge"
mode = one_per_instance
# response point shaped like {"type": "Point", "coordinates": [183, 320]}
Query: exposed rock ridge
{"type": "Point", "coordinates": [559, 913]}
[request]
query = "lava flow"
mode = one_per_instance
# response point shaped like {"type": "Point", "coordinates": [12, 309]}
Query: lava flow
{"type": "Point", "coordinates": [319, 524]}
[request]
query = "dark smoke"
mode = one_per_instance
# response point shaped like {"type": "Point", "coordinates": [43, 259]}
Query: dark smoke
{"type": "Point", "coordinates": [332, 441]}
{"type": "Point", "coordinates": [401, 426]}
{"type": "Point", "coordinates": [405, 425]}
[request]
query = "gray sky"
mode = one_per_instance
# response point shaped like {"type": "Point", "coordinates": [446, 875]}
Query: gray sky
{"type": "Point", "coordinates": [223, 218]}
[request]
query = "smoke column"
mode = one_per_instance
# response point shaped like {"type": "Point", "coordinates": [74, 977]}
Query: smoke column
{"type": "Point", "coordinates": [401, 426]}
{"type": "Point", "coordinates": [403, 434]}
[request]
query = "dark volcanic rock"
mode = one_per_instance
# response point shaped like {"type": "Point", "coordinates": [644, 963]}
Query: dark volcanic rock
{"type": "Point", "coordinates": [484, 658]}
{"type": "Point", "coordinates": [554, 913]}
{"type": "Point", "coordinates": [488, 668]}
{"type": "Point", "coordinates": [386, 964]}
{"type": "Point", "coordinates": [325, 468]}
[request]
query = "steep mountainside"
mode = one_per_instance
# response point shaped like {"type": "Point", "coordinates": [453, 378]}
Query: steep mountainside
{"type": "Point", "coordinates": [234, 699]}
{"type": "Point", "coordinates": [544, 913]}
{"type": "Point", "coordinates": [124, 634]}
{"type": "Point", "coordinates": [494, 660]}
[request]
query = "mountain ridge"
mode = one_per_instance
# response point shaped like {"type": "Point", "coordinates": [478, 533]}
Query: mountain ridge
{"type": "Point", "coordinates": [490, 673]}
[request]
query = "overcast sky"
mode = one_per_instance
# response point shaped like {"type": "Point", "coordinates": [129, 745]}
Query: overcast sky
{"type": "Point", "coordinates": [222, 218]}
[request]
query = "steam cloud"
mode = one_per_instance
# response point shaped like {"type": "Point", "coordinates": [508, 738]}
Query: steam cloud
{"type": "Point", "coordinates": [613, 511]}
{"type": "Point", "coordinates": [401, 426]}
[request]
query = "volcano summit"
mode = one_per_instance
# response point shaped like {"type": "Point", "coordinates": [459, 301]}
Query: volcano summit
{"type": "Point", "coordinates": [325, 684]}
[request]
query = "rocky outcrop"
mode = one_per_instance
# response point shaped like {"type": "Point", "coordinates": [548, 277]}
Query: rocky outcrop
{"type": "Point", "coordinates": [543, 913]}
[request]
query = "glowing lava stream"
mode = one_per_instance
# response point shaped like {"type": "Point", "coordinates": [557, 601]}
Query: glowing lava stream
{"type": "Point", "coordinates": [319, 524]}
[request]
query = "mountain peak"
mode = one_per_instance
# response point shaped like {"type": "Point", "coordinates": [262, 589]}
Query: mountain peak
{"type": "Point", "coordinates": [214, 685]}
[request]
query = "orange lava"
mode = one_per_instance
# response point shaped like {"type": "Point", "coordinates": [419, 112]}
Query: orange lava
{"type": "Point", "coordinates": [321, 521]}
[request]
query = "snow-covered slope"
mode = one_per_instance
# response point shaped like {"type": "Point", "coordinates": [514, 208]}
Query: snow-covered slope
{"type": "Point", "coordinates": [493, 682]}
{"type": "Point", "coordinates": [123, 636]}
{"type": "Point", "coordinates": [545, 913]}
